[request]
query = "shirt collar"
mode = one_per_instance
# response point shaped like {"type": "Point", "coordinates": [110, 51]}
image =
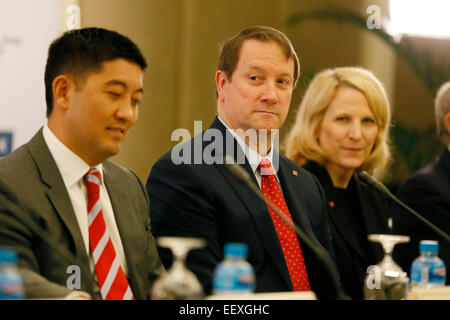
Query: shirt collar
{"type": "Point", "coordinates": [253, 157]}
{"type": "Point", "coordinates": [70, 165]}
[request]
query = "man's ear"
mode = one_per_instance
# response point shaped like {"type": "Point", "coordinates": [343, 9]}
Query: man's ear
{"type": "Point", "coordinates": [221, 82]}
{"type": "Point", "coordinates": [62, 87]}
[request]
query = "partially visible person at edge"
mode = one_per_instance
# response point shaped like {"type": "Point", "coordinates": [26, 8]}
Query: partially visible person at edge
{"type": "Point", "coordinates": [428, 192]}
{"type": "Point", "coordinates": [341, 129]}
{"type": "Point", "coordinates": [62, 184]}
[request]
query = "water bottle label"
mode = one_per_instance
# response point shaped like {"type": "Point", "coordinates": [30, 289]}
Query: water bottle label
{"type": "Point", "coordinates": [11, 289]}
{"type": "Point", "coordinates": [437, 275]}
{"type": "Point", "coordinates": [424, 274]}
{"type": "Point", "coordinates": [11, 286]}
{"type": "Point", "coordinates": [233, 280]}
{"type": "Point", "coordinates": [245, 282]}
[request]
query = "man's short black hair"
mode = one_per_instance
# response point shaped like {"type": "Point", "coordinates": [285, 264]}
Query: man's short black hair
{"type": "Point", "coordinates": [80, 51]}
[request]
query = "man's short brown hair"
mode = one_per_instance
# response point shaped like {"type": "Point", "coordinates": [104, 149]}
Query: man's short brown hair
{"type": "Point", "coordinates": [230, 49]}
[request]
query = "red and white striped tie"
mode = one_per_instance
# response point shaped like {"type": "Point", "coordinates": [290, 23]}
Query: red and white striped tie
{"type": "Point", "coordinates": [111, 278]}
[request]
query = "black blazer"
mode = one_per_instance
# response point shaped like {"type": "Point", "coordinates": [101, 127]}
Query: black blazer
{"type": "Point", "coordinates": [205, 201]}
{"type": "Point", "coordinates": [428, 192]}
{"type": "Point", "coordinates": [353, 258]}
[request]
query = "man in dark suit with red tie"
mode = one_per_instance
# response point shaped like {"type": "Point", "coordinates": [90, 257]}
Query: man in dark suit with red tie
{"type": "Point", "coordinates": [428, 192]}
{"type": "Point", "coordinates": [192, 194]}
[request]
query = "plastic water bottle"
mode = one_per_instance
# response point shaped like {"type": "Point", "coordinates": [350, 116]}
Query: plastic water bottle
{"type": "Point", "coordinates": [234, 274]}
{"type": "Point", "coordinates": [428, 270]}
{"type": "Point", "coordinates": [11, 284]}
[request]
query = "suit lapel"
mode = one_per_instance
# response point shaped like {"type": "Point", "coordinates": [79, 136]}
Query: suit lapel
{"type": "Point", "coordinates": [57, 192]}
{"type": "Point", "coordinates": [293, 197]}
{"type": "Point", "coordinates": [125, 221]}
{"type": "Point", "coordinates": [256, 207]}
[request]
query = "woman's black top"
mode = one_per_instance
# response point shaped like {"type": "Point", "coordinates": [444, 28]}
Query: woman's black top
{"type": "Point", "coordinates": [353, 213]}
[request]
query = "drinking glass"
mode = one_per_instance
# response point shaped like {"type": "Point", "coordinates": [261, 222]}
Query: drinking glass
{"type": "Point", "coordinates": [386, 280]}
{"type": "Point", "coordinates": [178, 283]}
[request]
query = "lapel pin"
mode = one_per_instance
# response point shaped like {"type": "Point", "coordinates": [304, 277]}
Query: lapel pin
{"type": "Point", "coordinates": [295, 172]}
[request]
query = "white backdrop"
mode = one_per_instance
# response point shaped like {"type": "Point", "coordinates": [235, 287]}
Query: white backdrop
{"type": "Point", "coordinates": [27, 27]}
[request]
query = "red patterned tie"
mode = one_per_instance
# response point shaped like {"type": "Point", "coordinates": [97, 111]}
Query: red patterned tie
{"type": "Point", "coordinates": [288, 239]}
{"type": "Point", "coordinates": [111, 278]}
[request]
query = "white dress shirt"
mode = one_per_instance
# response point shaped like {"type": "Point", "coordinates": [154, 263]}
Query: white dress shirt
{"type": "Point", "coordinates": [73, 169]}
{"type": "Point", "coordinates": [253, 157]}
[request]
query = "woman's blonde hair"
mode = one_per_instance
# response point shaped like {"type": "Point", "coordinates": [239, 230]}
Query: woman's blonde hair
{"type": "Point", "coordinates": [302, 143]}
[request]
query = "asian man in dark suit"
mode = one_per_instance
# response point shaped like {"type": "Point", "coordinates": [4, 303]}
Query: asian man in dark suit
{"type": "Point", "coordinates": [192, 194]}
{"type": "Point", "coordinates": [428, 192]}
{"type": "Point", "coordinates": [80, 223]}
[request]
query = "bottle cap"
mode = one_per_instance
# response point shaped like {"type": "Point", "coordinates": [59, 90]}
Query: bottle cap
{"type": "Point", "coordinates": [8, 255]}
{"type": "Point", "coordinates": [429, 246]}
{"type": "Point", "coordinates": [238, 250]}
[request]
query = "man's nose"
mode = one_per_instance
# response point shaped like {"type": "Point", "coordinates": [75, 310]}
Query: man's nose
{"type": "Point", "coordinates": [127, 111]}
{"type": "Point", "coordinates": [270, 94]}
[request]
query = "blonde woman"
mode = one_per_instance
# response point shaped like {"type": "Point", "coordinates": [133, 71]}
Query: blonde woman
{"type": "Point", "coordinates": [342, 128]}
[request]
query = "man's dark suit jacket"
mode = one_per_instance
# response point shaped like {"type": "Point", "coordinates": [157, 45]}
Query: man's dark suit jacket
{"type": "Point", "coordinates": [353, 256]}
{"type": "Point", "coordinates": [428, 192]}
{"type": "Point", "coordinates": [32, 189]}
{"type": "Point", "coordinates": [205, 201]}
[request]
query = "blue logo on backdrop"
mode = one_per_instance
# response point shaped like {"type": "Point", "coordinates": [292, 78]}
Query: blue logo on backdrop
{"type": "Point", "coordinates": [5, 143]}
